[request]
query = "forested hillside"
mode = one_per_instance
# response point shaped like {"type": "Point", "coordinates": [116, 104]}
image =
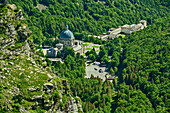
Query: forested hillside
{"type": "Point", "coordinates": [143, 74]}
{"type": "Point", "coordinates": [30, 82]}
{"type": "Point", "coordinates": [144, 82]}
{"type": "Point", "coordinates": [87, 16]}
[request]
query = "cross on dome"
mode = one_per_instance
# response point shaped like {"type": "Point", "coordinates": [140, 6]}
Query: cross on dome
{"type": "Point", "coordinates": [66, 27]}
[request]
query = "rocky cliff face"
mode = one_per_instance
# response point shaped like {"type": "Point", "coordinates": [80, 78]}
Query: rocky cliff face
{"type": "Point", "coordinates": [14, 33]}
{"type": "Point", "coordinates": [25, 84]}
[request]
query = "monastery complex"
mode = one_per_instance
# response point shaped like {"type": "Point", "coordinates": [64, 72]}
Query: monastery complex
{"type": "Point", "coordinates": [125, 29]}
{"type": "Point", "coordinates": [67, 38]}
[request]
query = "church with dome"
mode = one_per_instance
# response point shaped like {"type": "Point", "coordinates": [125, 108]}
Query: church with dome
{"type": "Point", "coordinates": [66, 39]}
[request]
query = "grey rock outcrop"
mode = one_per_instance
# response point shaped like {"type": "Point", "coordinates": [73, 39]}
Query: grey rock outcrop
{"type": "Point", "coordinates": [72, 106]}
{"type": "Point", "coordinates": [23, 33]}
{"type": "Point", "coordinates": [11, 63]}
{"type": "Point", "coordinates": [36, 98]}
{"type": "Point", "coordinates": [15, 91]}
{"type": "Point", "coordinates": [32, 89]}
{"type": "Point", "coordinates": [53, 103]}
{"type": "Point", "coordinates": [48, 93]}
{"type": "Point", "coordinates": [23, 110]}
{"type": "Point", "coordinates": [15, 31]}
{"type": "Point", "coordinates": [48, 85]}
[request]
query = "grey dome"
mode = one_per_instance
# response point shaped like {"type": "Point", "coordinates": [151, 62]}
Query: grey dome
{"type": "Point", "coordinates": [66, 34]}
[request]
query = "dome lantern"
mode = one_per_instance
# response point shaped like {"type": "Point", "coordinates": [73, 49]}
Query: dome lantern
{"type": "Point", "coordinates": [66, 34]}
{"type": "Point", "coordinates": [66, 27]}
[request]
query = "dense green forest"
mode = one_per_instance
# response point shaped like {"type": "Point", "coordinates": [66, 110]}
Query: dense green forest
{"type": "Point", "coordinates": [140, 60]}
{"type": "Point", "coordinates": [145, 70]}
{"type": "Point", "coordinates": [143, 82]}
{"type": "Point", "coordinates": [87, 16]}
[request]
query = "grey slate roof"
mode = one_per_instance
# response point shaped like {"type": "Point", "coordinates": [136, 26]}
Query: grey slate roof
{"type": "Point", "coordinates": [66, 34]}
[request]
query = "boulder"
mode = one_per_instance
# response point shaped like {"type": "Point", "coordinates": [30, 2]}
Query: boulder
{"type": "Point", "coordinates": [46, 101]}
{"type": "Point", "coordinates": [14, 90]}
{"type": "Point", "coordinates": [13, 30]}
{"type": "Point", "coordinates": [29, 58]}
{"type": "Point", "coordinates": [8, 24]}
{"type": "Point", "coordinates": [44, 63]}
{"type": "Point", "coordinates": [27, 47]}
{"type": "Point", "coordinates": [36, 97]}
{"type": "Point", "coordinates": [49, 76]}
{"type": "Point", "coordinates": [2, 63]}
{"type": "Point", "coordinates": [19, 15]}
{"type": "Point", "coordinates": [2, 77]}
{"type": "Point", "coordinates": [1, 21]}
{"type": "Point", "coordinates": [33, 62]}
{"type": "Point", "coordinates": [8, 13]}
{"type": "Point", "coordinates": [11, 63]}
{"type": "Point", "coordinates": [48, 91]}
{"type": "Point", "coordinates": [1, 57]}
{"type": "Point", "coordinates": [32, 89]}
{"type": "Point", "coordinates": [49, 85]}
{"type": "Point", "coordinates": [42, 58]}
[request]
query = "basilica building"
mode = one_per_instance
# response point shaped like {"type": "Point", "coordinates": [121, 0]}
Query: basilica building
{"type": "Point", "coordinates": [66, 39]}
